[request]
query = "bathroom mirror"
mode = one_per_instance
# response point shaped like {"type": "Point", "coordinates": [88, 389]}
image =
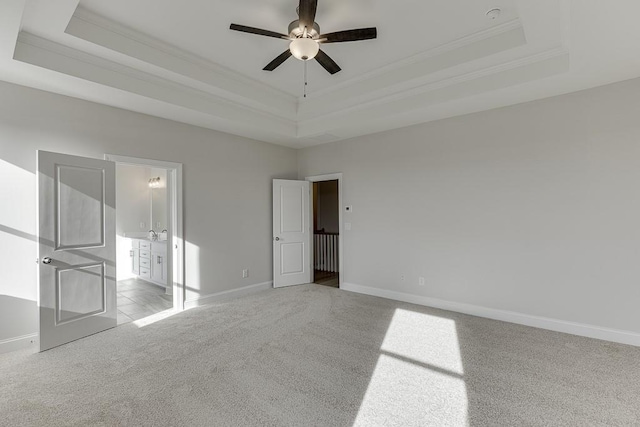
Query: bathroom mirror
{"type": "Point", "coordinates": [159, 205]}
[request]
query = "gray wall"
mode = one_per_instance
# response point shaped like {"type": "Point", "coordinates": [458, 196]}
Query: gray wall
{"type": "Point", "coordinates": [227, 190]}
{"type": "Point", "coordinates": [533, 208]}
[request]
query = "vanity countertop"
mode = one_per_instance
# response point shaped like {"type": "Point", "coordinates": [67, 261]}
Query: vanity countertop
{"type": "Point", "coordinates": [146, 239]}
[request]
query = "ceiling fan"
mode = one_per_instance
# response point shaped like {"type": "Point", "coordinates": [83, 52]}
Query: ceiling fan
{"type": "Point", "coordinates": [305, 37]}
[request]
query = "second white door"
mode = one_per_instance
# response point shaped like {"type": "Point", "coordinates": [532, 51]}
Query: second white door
{"type": "Point", "coordinates": [291, 257]}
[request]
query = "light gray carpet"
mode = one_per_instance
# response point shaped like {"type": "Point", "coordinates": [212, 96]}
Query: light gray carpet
{"type": "Point", "coordinates": [317, 356]}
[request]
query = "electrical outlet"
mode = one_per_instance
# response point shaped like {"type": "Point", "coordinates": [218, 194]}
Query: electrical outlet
{"type": "Point", "coordinates": [402, 277]}
{"type": "Point", "coordinates": [245, 273]}
{"type": "Point", "coordinates": [421, 281]}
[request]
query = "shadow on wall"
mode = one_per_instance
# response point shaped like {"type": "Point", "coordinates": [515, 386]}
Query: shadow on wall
{"type": "Point", "coordinates": [18, 250]}
{"type": "Point", "coordinates": [19, 314]}
{"type": "Point", "coordinates": [192, 272]}
{"type": "Point", "coordinates": [50, 243]}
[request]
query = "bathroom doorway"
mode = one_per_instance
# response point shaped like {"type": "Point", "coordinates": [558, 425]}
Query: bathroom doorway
{"type": "Point", "coordinates": [148, 238]}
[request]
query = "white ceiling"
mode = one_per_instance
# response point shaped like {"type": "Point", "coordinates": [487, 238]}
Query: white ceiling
{"type": "Point", "coordinates": [432, 59]}
{"type": "Point", "coordinates": [405, 28]}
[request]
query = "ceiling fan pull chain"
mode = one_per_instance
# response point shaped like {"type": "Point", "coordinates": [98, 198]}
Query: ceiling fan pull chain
{"type": "Point", "coordinates": [305, 79]}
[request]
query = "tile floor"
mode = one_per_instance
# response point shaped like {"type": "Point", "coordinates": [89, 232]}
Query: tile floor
{"type": "Point", "coordinates": [138, 299]}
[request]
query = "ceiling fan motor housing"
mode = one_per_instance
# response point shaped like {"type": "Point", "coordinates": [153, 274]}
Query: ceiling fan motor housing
{"type": "Point", "coordinates": [304, 38]}
{"type": "Point", "coordinates": [296, 32]}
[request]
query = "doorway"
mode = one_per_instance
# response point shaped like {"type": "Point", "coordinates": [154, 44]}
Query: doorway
{"type": "Point", "coordinates": [77, 245]}
{"type": "Point", "coordinates": [326, 246]}
{"type": "Point", "coordinates": [149, 237]}
{"type": "Point", "coordinates": [143, 288]}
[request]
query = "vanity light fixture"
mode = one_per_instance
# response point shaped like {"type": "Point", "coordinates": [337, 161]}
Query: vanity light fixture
{"type": "Point", "coordinates": [155, 183]}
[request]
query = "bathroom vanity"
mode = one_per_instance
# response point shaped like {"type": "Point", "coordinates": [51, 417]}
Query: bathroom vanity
{"type": "Point", "coordinates": [149, 260]}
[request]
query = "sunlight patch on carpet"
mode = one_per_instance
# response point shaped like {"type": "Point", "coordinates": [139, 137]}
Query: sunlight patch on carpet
{"type": "Point", "coordinates": [156, 317]}
{"type": "Point", "coordinates": [418, 376]}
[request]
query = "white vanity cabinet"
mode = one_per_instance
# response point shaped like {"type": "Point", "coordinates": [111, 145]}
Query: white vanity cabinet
{"type": "Point", "coordinates": [149, 260]}
{"type": "Point", "coordinates": [159, 262]}
{"type": "Point", "coordinates": [135, 258]}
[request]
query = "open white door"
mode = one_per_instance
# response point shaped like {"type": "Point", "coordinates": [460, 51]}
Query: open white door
{"type": "Point", "coordinates": [77, 249]}
{"type": "Point", "coordinates": [291, 262]}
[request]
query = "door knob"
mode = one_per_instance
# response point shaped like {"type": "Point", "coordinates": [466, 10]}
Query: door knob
{"type": "Point", "coordinates": [277, 239]}
{"type": "Point", "coordinates": [46, 260]}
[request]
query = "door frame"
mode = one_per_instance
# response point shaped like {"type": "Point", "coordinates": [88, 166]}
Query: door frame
{"type": "Point", "coordinates": [319, 178]}
{"type": "Point", "coordinates": [175, 237]}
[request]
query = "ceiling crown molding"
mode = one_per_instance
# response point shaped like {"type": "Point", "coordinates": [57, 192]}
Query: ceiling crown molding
{"type": "Point", "coordinates": [418, 100]}
{"type": "Point", "coordinates": [414, 71]}
{"type": "Point", "coordinates": [125, 68]}
{"type": "Point", "coordinates": [217, 79]}
{"type": "Point", "coordinates": [468, 40]}
{"type": "Point", "coordinates": [45, 53]}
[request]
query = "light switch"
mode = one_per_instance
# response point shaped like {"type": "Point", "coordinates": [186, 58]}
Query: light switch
{"type": "Point", "coordinates": [347, 226]}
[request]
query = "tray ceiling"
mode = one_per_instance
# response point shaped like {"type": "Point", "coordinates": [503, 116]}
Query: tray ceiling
{"type": "Point", "coordinates": [179, 60]}
{"type": "Point", "coordinates": [405, 28]}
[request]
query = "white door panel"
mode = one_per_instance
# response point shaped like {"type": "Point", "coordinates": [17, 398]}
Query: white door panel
{"type": "Point", "coordinates": [291, 261]}
{"type": "Point", "coordinates": [76, 236]}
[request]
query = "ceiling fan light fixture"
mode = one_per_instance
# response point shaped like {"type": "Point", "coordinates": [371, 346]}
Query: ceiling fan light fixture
{"type": "Point", "coordinates": [304, 48]}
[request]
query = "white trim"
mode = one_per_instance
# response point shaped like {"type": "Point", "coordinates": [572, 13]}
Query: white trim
{"type": "Point", "coordinates": [102, 31]}
{"type": "Point", "coordinates": [225, 295]}
{"type": "Point", "coordinates": [175, 240]}
{"type": "Point", "coordinates": [41, 52]}
{"type": "Point", "coordinates": [384, 97]}
{"type": "Point", "coordinates": [18, 343]}
{"type": "Point", "coordinates": [403, 64]}
{"type": "Point", "coordinates": [574, 328]}
{"type": "Point", "coordinates": [329, 177]}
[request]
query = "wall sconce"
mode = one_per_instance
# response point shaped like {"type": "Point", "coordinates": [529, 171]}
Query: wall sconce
{"type": "Point", "coordinates": [155, 183]}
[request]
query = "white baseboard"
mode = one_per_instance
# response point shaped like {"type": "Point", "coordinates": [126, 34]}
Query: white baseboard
{"type": "Point", "coordinates": [18, 343]}
{"type": "Point", "coordinates": [224, 295]}
{"type": "Point", "coordinates": [590, 331]}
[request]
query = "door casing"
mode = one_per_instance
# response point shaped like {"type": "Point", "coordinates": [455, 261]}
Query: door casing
{"type": "Point", "coordinates": [175, 230]}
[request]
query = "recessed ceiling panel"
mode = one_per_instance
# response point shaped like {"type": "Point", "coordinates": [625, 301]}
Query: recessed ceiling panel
{"type": "Point", "coordinates": [201, 27]}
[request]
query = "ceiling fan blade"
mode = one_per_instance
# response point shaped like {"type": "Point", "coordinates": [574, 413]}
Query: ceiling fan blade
{"type": "Point", "coordinates": [328, 63]}
{"type": "Point", "coordinates": [278, 61]}
{"type": "Point", "coordinates": [307, 13]}
{"type": "Point", "coordinates": [258, 31]}
{"type": "Point", "coordinates": [349, 35]}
